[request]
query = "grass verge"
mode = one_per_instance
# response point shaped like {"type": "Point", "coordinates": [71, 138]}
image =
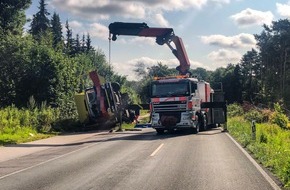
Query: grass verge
{"type": "Point", "coordinates": [21, 135]}
{"type": "Point", "coordinates": [271, 146]}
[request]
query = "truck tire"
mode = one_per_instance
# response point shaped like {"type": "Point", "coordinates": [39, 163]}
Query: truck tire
{"type": "Point", "coordinates": [203, 123]}
{"type": "Point", "coordinates": [160, 131]}
{"type": "Point", "coordinates": [196, 129]}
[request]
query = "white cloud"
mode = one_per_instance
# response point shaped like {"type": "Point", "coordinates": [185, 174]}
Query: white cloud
{"type": "Point", "coordinates": [283, 9]}
{"type": "Point", "coordinates": [75, 24]}
{"type": "Point", "coordinates": [172, 4]}
{"type": "Point", "coordinates": [250, 17]}
{"type": "Point", "coordinates": [126, 69]}
{"type": "Point", "coordinates": [99, 30]}
{"type": "Point", "coordinates": [100, 9]}
{"type": "Point", "coordinates": [222, 1]}
{"type": "Point", "coordinates": [238, 41]}
{"type": "Point", "coordinates": [160, 20]}
{"type": "Point", "coordinates": [222, 57]}
{"type": "Point", "coordinates": [143, 40]}
{"type": "Point", "coordinates": [134, 9]}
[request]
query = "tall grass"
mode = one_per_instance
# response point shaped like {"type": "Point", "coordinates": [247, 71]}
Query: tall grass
{"type": "Point", "coordinates": [271, 147]}
{"type": "Point", "coordinates": [22, 125]}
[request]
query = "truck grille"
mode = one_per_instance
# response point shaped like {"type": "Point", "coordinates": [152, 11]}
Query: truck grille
{"type": "Point", "coordinates": [169, 106]}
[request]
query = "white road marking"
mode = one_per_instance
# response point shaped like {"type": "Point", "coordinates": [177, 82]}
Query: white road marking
{"type": "Point", "coordinates": [155, 152]}
{"type": "Point", "coordinates": [55, 158]}
{"type": "Point", "coordinates": [41, 163]}
{"type": "Point", "coordinates": [259, 168]}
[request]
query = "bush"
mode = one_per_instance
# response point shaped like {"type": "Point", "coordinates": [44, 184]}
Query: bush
{"type": "Point", "coordinates": [235, 110]}
{"type": "Point", "coordinates": [247, 106]}
{"type": "Point", "coordinates": [39, 119]}
{"type": "Point", "coordinates": [266, 113]}
{"type": "Point", "coordinates": [255, 115]}
{"type": "Point", "coordinates": [279, 118]}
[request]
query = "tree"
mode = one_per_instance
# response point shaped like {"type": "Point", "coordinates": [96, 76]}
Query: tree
{"type": "Point", "coordinates": [140, 69]}
{"type": "Point", "coordinates": [160, 70]}
{"type": "Point", "coordinates": [77, 45]}
{"type": "Point", "coordinates": [14, 63]}
{"type": "Point", "coordinates": [250, 68]}
{"type": "Point", "coordinates": [273, 43]}
{"type": "Point", "coordinates": [83, 43]}
{"type": "Point", "coordinates": [229, 80]}
{"type": "Point", "coordinates": [56, 30]}
{"type": "Point", "coordinates": [69, 39]}
{"type": "Point", "coordinates": [40, 22]}
{"type": "Point", "coordinates": [12, 16]}
{"type": "Point", "coordinates": [200, 73]}
{"type": "Point", "coordinates": [89, 43]}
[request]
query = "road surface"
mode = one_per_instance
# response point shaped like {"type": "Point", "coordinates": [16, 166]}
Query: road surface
{"type": "Point", "coordinates": [135, 160]}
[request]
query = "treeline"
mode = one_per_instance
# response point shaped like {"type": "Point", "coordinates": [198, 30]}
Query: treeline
{"type": "Point", "coordinates": [50, 66]}
{"type": "Point", "coordinates": [42, 63]}
{"type": "Point", "coordinates": [263, 75]}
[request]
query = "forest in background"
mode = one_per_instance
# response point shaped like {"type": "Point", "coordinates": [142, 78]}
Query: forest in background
{"type": "Point", "coordinates": [46, 67]}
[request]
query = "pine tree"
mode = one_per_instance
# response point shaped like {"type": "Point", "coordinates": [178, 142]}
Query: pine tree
{"type": "Point", "coordinates": [40, 22]}
{"type": "Point", "coordinates": [88, 43]}
{"type": "Point", "coordinates": [56, 29]}
{"type": "Point", "coordinates": [83, 43]}
{"type": "Point", "coordinates": [68, 40]}
{"type": "Point", "coordinates": [12, 16]}
{"type": "Point", "coordinates": [77, 44]}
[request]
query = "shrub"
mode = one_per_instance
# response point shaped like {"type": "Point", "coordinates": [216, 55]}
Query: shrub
{"type": "Point", "coordinates": [266, 113]}
{"type": "Point", "coordinates": [254, 114]}
{"type": "Point", "coordinates": [279, 118]}
{"type": "Point", "coordinates": [247, 106]}
{"type": "Point", "coordinates": [235, 110]}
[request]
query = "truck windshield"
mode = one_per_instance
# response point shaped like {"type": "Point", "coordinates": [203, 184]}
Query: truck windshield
{"type": "Point", "coordinates": [170, 89]}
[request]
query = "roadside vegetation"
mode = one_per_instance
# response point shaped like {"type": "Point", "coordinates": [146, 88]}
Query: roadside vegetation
{"type": "Point", "coordinates": [143, 119]}
{"type": "Point", "coordinates": [24, 125]}
{"type": "Point", "coordinates": [271, 145]}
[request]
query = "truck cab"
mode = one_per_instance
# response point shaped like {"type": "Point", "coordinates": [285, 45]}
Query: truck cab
{"type": "Point", "coordinates": [175, 103]}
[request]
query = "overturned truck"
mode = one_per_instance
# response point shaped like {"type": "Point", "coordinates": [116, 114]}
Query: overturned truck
{"type": "Point", "coordinates": [103, 106]}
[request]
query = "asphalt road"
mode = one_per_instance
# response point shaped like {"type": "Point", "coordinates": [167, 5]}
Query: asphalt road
{"type": "Point", "coordinates": [136, 160]}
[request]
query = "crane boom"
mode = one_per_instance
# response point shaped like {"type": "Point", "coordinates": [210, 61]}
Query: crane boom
{"type": "Point", "coordinates": [163, 36]}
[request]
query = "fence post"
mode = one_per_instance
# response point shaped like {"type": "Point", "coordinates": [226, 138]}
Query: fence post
{"type": "Point", "coordinates": [253, 130]}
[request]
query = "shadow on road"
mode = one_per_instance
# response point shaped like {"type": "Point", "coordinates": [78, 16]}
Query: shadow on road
{"type": "Point", "coordinates": [122, 136]}
{"type": "Point", "coordinates": [213, 131]}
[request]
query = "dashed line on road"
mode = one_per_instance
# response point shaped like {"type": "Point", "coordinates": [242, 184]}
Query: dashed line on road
{"type": "Point", "coordinates": [259, 168]}
{"type": "Point", "coordinates": [155, 152]}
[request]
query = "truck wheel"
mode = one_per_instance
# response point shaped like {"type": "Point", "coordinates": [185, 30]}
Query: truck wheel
{"type": "Point", "coordinates": [160, 131]}
{"type": "Point", "coordinates": [205, 126]}
{"type": "Point", "coordinates": [196, 129]}
{"type": "Point", "coordinates": [203, 123]}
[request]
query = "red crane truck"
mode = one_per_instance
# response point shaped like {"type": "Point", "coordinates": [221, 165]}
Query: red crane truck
{"type": "Point", "coordinates": [177, 102]}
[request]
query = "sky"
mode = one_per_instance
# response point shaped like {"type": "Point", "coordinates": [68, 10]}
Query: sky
{"type": "Point", "coordinates": [214, 32]}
